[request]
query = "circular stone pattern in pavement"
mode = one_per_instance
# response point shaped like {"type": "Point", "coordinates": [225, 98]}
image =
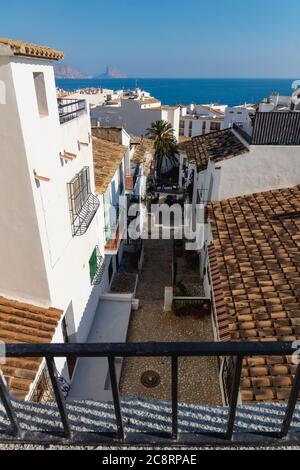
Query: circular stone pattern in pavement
{"type": "Point", "coordinates": [150, 379]}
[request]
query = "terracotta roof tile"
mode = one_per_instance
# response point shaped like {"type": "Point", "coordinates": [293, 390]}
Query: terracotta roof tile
{"type": "Point", "coordinates": [214, 146]}
{"type": "Point", "coordinates": [22, 48]}
{"type": "Point", "coordinates": [256, 245]}
{"type": "Point", "coordinates": [107, 156]}
{"type": "Point", "coordinates": [24, 323]}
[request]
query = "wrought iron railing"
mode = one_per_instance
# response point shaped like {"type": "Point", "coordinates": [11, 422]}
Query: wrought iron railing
{"type": "Point", "coordinates": [236, 350]}
{"type": "Point", "coordinates": [97, 278]}
{"type": "Point", "coordinates": [69, 109]}
{"type": "Point", "coordinates": [83, 219]}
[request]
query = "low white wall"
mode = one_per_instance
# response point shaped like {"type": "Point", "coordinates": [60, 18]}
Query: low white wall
{"type": "Point", "coordinates": [262, 169]}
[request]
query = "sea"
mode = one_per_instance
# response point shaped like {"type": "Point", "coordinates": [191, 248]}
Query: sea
{"type": "Point", "coordinates": [172, 91]}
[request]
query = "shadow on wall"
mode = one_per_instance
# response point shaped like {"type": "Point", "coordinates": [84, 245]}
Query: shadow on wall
{"type": "Point", "coordinates": [88, 315]}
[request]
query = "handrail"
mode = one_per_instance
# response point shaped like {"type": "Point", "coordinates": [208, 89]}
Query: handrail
{"type": "Point", "coordinates": [231, 348]}
{"type": "Point", "coordinates": [238, 350]}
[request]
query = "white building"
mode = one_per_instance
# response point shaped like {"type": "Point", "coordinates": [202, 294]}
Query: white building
{"type": "Point", "coordinates": [240, 116]}
{"type": "Point", "coordinates": [201, 119]}
{"type": "Point", "coordinates": [136, 112]}
{"type": "Point", "coordinates": [60, 247]}
{"type": "Point", "coordinates": [93, 96]}
{"type": "Point", "coordinates": [49, 219]}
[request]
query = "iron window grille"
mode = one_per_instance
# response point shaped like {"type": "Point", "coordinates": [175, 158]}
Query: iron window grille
{"type": "Point", "coordinates": [97, 266]}
{"type": "Point", "coordinates": [83, 204]}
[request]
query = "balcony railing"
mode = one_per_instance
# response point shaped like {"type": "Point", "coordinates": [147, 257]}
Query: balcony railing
{"type": "Point", "coordinates": [69, 109]}
{"type": "Point", "coordinates": [235, 350]}
{"type": "Point", "coordinates": [83, 219]}
{"type": "Point", "coordinates": [114, 228]}
{"type": "Point", "coordinates": [97, 277]}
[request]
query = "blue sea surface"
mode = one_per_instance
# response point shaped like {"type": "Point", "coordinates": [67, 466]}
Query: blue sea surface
{"type": "Point", "coordinates": [231, 91]}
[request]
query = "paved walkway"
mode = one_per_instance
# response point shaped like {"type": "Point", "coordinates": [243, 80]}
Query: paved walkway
{"type": "Point", "coordinates": [198, 377]}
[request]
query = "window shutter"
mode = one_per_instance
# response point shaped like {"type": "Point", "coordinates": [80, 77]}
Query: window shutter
{"type": "Point", "coordinates": [93, 263]}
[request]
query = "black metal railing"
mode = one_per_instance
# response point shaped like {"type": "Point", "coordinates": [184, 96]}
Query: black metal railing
{"type": "Point", "coordinates": [97, 278]}
{"type": "Point", "coordinates": [236, 350]}
{"type": "Point", "coordinates": [69, 109]}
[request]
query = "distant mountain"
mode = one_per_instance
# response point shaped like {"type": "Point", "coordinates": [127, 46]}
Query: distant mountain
{"type": "Point", "coordinates": [66, 71]}
{"type": "Point", "coordinates": [111, 72]}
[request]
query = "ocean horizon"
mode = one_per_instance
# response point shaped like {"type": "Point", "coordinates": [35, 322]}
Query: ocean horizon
{"type": "Point", "coordinates": [172, 91]}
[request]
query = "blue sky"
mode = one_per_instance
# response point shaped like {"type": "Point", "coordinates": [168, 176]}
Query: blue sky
{"type": "Point", "coordinates": [164, 38]}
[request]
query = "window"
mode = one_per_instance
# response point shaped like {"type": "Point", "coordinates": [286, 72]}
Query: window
{"type": "Point", "coordinates": [203, 127]}
{"type": "Point", "coordinates": [190, 128]}
{"type": "Point", "coordinates": [81, 189]}
{"type": "Point", "coordinates": [83, 204]}
{"type": "Point", "coordinates": [181, 127]}
{"type": "Point", "coordinates": [215, 126]}
{"type": "Point", "coordinates": [41, 96]}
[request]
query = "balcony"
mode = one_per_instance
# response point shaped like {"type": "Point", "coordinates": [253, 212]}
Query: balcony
{"type": "Point", "coordinates": [83, 219]}
{"type": "Point", "coordinates": [178, 424]}
{"type": "Point", "coordinates": [114, 229]}
{"type": "Point", "coordinates": [131, 178]}
{"type": "Point", "coordinates": [69, 109]}
{"type": "Point", "coordinates": [113, 239]}
{"type": "Point", "coordinates": [129, 183]}
{"type": "Point", "coordinates": [97, 267]}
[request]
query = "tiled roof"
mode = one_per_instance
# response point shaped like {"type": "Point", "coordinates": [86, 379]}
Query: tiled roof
{"type": "Point", "coordinates": [107, 159]}
{"type": "Point", "coordinates": [213, 110]}
{"type": "Point", "coordinates": [214, 146]}
{"type": "Point", "coordinates": [143, 152]}
{"type": "Point", "coordinates": [256, 240]}
{"type": "Point", "coordinates": [148, 101]}
{"type": "Point", "coordinates": [143, 146]}
{"type": "Point", "coordinates": [24, 323]}
{"type": "Point", "coordinates": [22, 48]}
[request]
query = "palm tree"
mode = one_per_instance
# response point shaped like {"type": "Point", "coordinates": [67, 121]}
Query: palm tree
{"type": "Point", "coordinates": [166, 148]}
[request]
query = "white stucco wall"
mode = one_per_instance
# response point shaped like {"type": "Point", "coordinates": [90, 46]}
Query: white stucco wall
{"type": "Point", "coordinates": [262, 169]}
{"type": "Point", "coordinates": [50, 267]}
{"type": "Point", "coordinates": [22, 269]}
{"type": "Point", "coordinates": [133, 118]}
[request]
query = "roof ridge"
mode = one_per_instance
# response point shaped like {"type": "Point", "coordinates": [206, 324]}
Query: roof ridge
{"type": "Point", "coordinates": [23, 48]}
